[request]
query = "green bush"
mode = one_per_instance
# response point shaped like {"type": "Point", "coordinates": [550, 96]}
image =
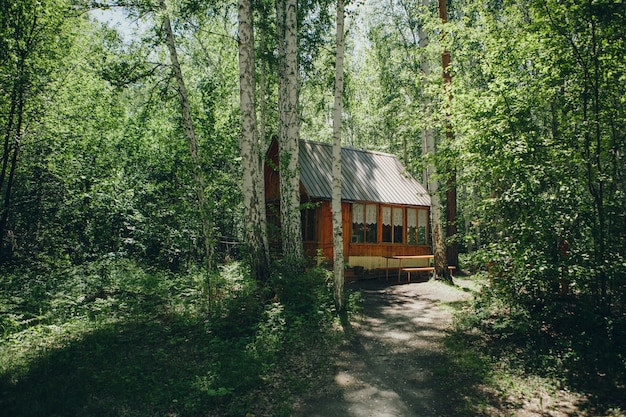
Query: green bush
{"type": "Point", "coordinates": [86, 338]}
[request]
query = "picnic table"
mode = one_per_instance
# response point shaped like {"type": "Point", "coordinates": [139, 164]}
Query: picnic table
{"type": "Point", "coordinates": [408, 270]}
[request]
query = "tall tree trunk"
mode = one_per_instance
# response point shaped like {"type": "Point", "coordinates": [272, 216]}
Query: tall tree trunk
{"type": "Point", "coordinates": [7, 137]}
{"type": "Point", "coordinates": [452, 250]}
{"type": "Point", "coordinates": [262, 137]}
{"type": "Point", "coordinates": [11, 150]}
{"type": "Point", "coordinates": [262, 91]}
{"type": "Point", "coordinates": [252, 184]}
{"type": "Point", "coordinates": [432, 185]}
{"type": "Point", "coordinates": [336, 189]}
{"type": "Point", "coordinates": [4, 217]}
{"type": "Point", "coordinates": [438, 243]}
{"type": "Point", "coordinates": [191, 138]}
{"type": "Point", "coordinates": [289, 133]}
{"type": "Point", "coordinates": [597, 132]}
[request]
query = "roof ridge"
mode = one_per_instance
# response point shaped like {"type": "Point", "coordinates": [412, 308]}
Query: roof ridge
{"type": "Point", "coordinates": [349, 148]}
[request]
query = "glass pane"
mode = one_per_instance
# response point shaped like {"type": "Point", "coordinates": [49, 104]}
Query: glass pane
{"type": "Point", "coordinates": [411, 235]}
{"type": "Point", "coordinates": [358, 213]}
{"type": "Point", "coordinates": [422, 224]}
{"type": "Point", "coordinates": [358, 229]}
{"type": "Point", "coordinates": [358, 223]}
{"type": "Point", "coordinates": [397, 234]}
{"type": "Point", "coordinates": [387, 228]}
{"type": "Point", "coordinates": [372, 234]}
{"type": "Point", "coordinates": [411, 223]}
{"type": "Point", "coordinates": [371, 218]}
{"type": "Point", "coordinates": [398, 221]}
{"type": "Point", "coordinates": [397, 216]}
{"type": "Point", "coordinates": [386, 215]}
{"type": "Point", "coordinates": [422, 217]}
{"type": "Point", "coordinates": [309, 232]}
{"type": "Point", "coordinates": [421, 235]}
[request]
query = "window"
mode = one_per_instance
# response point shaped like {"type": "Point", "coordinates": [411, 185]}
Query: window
{"type": "Point", "coordinates": [411, 226]}
{"type": "Point", "coordinates": [358, 223]}
{"type": "Point", "coordinates": [394, 228]}
{"type": "Point", "coordinates": [307, 216]}
{"type": "Point", "coordinates": [393, 224]}
{"type": "Point", "coordinates": [398, 221]}
{"type": "Point", "coordinates": [422, 226]}
{"type": "Point", "coordinates": [387, 229]}
{"type": "Point", "coordinates": [371, 223]}
{"type": "Point", "coordinates": [364, 223]}
{"type": "Point", "coordinates": [417, 222]}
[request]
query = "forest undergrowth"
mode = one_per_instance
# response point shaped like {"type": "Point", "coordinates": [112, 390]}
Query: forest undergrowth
{"type": "Point", "coordinates": [559, 346]}
{"type": "Point", "coordinates": [113, 338]}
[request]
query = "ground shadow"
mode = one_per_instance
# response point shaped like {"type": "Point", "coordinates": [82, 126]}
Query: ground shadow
{"type": "Point", "coordinates": [160, 367]}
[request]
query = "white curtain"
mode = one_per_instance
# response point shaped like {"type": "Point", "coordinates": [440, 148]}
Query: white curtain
{"type": "Point", "coordinates": [358, 213]}
{"type": "Point", "coordinates": [387, 216]}
{"type": "Point", "coordinates": [371, 214]}
{"type": "Point", "coordinates": [411, 217]}
{"type": "Point", "coordinates": [422, 217]}
{"type": "Point", "coordinates": [397, 216]}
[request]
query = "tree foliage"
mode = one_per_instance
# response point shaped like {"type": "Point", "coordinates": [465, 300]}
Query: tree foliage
{"type": "Point", "coordinates": [539, 111]}
{"type": "Point", "coordinates": [543, 126]}
{"type": "Point", "coordinates": [95, 166]}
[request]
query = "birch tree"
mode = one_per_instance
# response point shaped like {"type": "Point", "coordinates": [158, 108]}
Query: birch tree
{"type": "Point", "coordinates": [191, 136]}
{"type": "Point", "coordinates": [430, 174]}
{"type": "Point", "coordinates": [336, 187]}
{"type": "Point", "coordinates": [288, 131]}
{"type": "Point", "coordinates": [252, 184]}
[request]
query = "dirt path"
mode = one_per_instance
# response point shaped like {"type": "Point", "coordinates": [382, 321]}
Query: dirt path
{"type": "Point", "coordinates": [389, 369]}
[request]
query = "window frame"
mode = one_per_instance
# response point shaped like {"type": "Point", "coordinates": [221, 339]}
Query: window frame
{"type": "Point", "coordinates": [421, 226]}
{"type": "Point", "coordinates": [309, 223]}
{"type": "Point", "coordinates": [365, 230]}
{"type": "Point", "coordinates": [380, 207]}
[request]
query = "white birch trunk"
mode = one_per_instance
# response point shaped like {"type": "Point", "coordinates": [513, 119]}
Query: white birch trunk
{"type": "Point", "coordinates": [252, 184]}
{"type": "Point", "coordinates": [430, 176]}
{"type": "Point", "coordinates": [289, 132]}
{"type": "Point", "coordinates": [336, 188]}
{"type": "Point", "coordinates": [191, 137]}
{"type": "Point", "coordinates": [439, 247]}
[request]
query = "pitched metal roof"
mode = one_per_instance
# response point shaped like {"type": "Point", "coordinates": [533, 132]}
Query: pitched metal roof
{"type": "Point", "coordinates": [367, 176]}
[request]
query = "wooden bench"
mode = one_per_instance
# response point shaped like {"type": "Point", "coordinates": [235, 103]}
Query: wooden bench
{"type": "Point", "coordinates": [419, 269]}
{"type": "Point", "coordinates": [387, 269]}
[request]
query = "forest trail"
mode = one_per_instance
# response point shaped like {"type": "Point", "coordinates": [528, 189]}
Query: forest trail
{"type": "Point", "coordinates": [390, 366]}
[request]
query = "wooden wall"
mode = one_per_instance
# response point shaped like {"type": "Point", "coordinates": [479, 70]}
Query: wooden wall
{"type": "Point", "coordinates": [361, 254]}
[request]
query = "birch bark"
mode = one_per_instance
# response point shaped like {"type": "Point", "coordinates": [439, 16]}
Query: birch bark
{"type": "Point", "coordinates": [289, 132]}
{"type": "Point", "coordinates": [336, 188]}
{"type": "Point", "coordinates": [430, 176]}
{"type": "Point", "coordinates": [252, 184]}
{"type": "Point", "coordinates": [191, 137]}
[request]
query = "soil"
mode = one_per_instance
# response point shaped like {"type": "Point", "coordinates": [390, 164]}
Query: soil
{"type": "Point", "coordinates": [391, 365]}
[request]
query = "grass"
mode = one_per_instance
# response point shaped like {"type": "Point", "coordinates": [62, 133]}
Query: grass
{"type": "Point", "coordinates": [506, 362]}
{"type": "Point", "coordinates": [139, 343]}
{"type": "Point", "coordinates": [114, 338]}
{"type": "Point", "coordinates": [123, 369]}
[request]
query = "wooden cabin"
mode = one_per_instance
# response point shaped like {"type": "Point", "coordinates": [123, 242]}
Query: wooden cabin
{"type": "Point", "coordinates": [385, 210]}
